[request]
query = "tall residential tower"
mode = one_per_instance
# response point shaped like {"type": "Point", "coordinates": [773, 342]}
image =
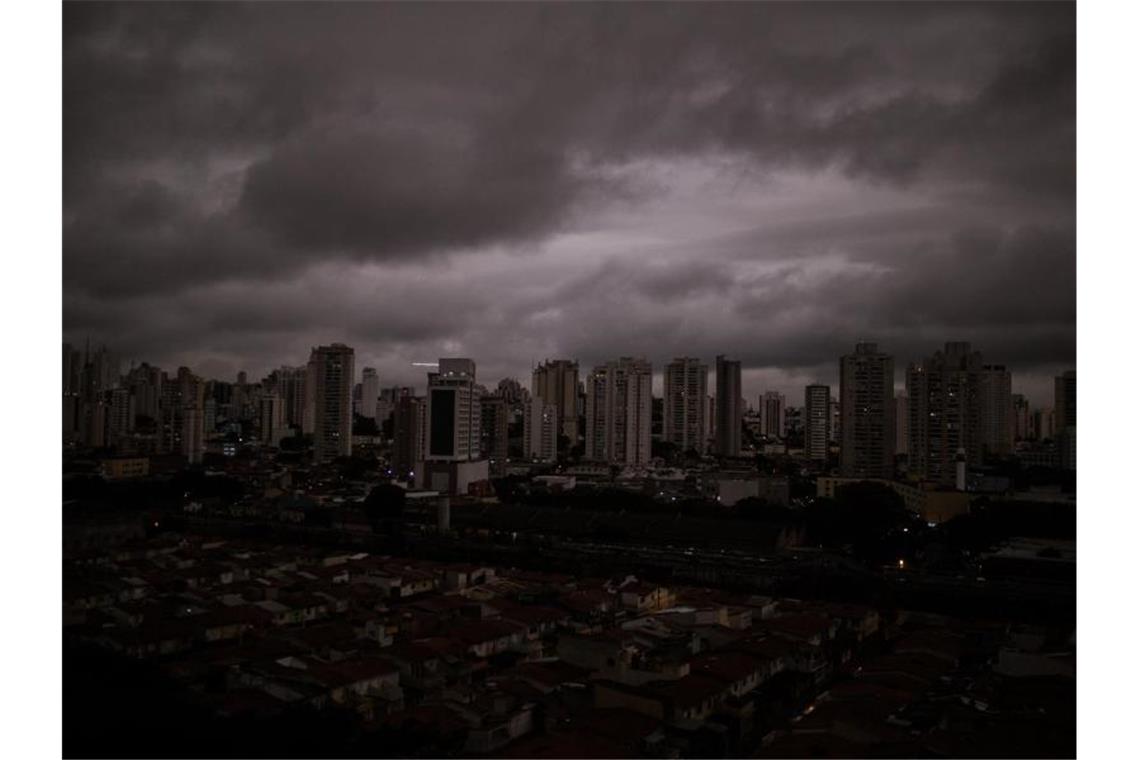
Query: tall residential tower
{"type": "Point", "coordinates": [728, 411]}
{"type": "Point", "coordinates": [556, 383]}
{"type": "Point", "coordinates": [686, 388]}
{"type": "Point", "coordinates": [945, 405]}
{"type": "Point", "coordinates": [619, 411]}
{"type": "Point", "coordinates": [817, 421]}
{"type": "Point", "coordinates": [867, 413]}
{"type": "Point", "coordinates": [331, 372]}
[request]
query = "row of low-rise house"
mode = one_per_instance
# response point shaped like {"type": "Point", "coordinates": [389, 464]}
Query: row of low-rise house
{"type": "Point", "coordinates": [501, 661]}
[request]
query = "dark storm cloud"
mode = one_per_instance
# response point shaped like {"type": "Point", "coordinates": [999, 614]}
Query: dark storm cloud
{"type": "Point", "coordinates": [271, 174]}
{"type": "Point", "coordinates": [1006, 291]}
{"type": "Point", "coordinates": [386, 195]}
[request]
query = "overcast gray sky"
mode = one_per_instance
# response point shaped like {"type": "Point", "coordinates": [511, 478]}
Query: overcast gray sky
{"type": "Point", "coordinates": [519, 181]}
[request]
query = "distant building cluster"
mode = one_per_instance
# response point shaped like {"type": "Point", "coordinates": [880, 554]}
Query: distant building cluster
{"type": "Point", "coordinates": [955, 414]}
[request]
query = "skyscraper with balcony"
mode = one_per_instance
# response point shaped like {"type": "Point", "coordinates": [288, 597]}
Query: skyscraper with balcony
{"type": "Point", "coordinates": [331, 372]}
{"type": "Point", "coordinates": [596, 393]}
{"type": "Point", "coordinates": [728, 407]}
{"type": "Point", "coordinates": [619, 412]}
{"type": "Point", "coordinates": [944, 392]}
{"type": "Point", "coordinates": [867, 413]}
{"type": "Point", "coordinates": [685, 409]}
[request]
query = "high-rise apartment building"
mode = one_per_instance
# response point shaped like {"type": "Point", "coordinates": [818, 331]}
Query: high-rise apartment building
{"type": "Point", "coordinates": [835, 424]}
{"type": "Point", "coordinates": [540, 430]}
{"type": "Point", "coordinates": [121, 413]}
{"type": "Point", "coordinates": [494, 433]}
{"type": "Point", "coordinates": [1065, 418]}
{"type": "Point", "coordinates": [271, 419]}
{"type": "Point", "coordinates": [369, 393]}
{"type": "Point", "coordinates": [86, 381]}
{"type": "Point", "coordinates": [290, 387]}
{"type": "Point", "coordinates": [995, 410]}
{"type": "Point", "coordinates": [728, 407]}
{"type": "Point", "coordinates": [386, 406]}
{"type": "Point", "coordinates": [170, 413]}
{"type": "Point", "coordinates": [193, 434]}
{"type": "Point", "coordinates": [556, 382]}
{"type": "Point", "coordinates": [867, 413]}
{"type": "Point", "coordinates": [331, 371]}
{"type": "Point", "coordinates": [1043, 427]}
{"type": "Point", "coordinates": [453, 462]}
{"type": "Point", "coordinates": [99, 370]}
{"type": "Point", "coordinates": [1022, 418]}
{"type": "Point", "coordinates": [210, 414]}
{"type": "Point", "coordinates": [72, 367]}
{"type": "Point", "coordinates": [396, 392]}
{"type": "Point", "coordinates": [192, 396]}
{"type": "Point", "coordinates": [945, 396]}
{"type": "Point", "coordinates": [93, 422]}
{"type": "Point", "coordinates": [72, 409]}
{"type": "Point", "coordinates": [72, 402]}
{"type": "Point", "coordinates": [453, 412]}
{"type": "Point", "coordinates": [902, 423]}
{"type": "Point", "coordinates": [596, 393]}
{"type": "Point", "coordinates": [243, 404]}
{"type": "Point", "coordinates": [772, 406]}
{"type": "Point", "coordinates": [90, 403]}
{"type": "Point", "coordinates": [619, 411]}
{"type": "Point", "coordinates": [793, 421]}
{"type": "Point", "coordinates": [686, 388]}
{"type": "Point", "coordinates": [817, 421]}
{"type": "Point", "coordinates": [510, 390]}
{"type": "Point", "coordinates": [409, 434]}
{"type": "Point", "coordinates": [309, 399]}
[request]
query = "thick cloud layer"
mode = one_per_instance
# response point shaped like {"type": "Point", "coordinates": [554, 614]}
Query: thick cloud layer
{"type": "Point", "coordinates": [518, 181]}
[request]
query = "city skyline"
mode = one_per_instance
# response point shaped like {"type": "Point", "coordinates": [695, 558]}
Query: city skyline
{"type": "Point", "coordinates": [774, 183]}
{"type": "Point", "coordinates": [418, 379]}
{"type": "Point", "coordinates": [554, 379]}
